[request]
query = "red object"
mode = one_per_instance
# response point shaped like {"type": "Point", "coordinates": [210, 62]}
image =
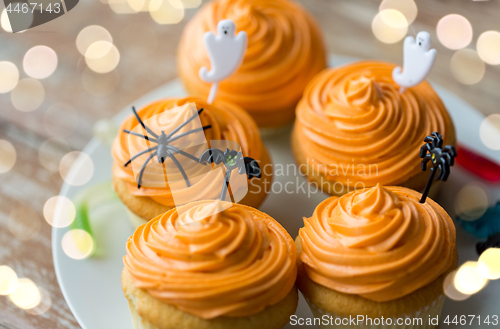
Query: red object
{"type": "Point", "coordinates": [478, 165]}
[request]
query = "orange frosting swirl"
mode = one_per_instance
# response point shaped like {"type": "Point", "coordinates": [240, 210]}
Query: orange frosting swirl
{"type": "Point", "coordinates": [285, 50]}
{"type": "Point", "coordinates": [229, 122]}
{"type": "Point", "coordinates": [380, 243]}
{"type": "Point", "coordinates": [233, 263]}
{"type": "Point", "coordinates": [353, 125]}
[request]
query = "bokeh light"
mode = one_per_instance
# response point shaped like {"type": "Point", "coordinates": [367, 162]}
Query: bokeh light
{"type": "Point", "coordinates": [7, 156]}
{"type": "Point", "coordinates": [406, 7]}
{"type": "Point", "coordinates": [450, 290]}
{"type": "Point", "coordinates": [60, 120]}
{"type": "Point", "coordinates": [51, 152]}
{"type": "Point", "coordinates": [489, 131]}
{"type": "Point", "coordinates": [121, 7]}
{"type": "Point", "coordinates": [488, 47]}
{"type": "Point", "coordinates": [9, 76]}
{"type": "Point", "coordinates": [454, 31]}
{"type": "Point", "coordinates": [472, 201]}
{"type": "Point", "coordinates": [44, 304]}
{"type": "Point", "coordinates": [468, 280]}
{"type": "Point", "coordinates": [467, 67]}
{"type": "Point", "coordinates": [137, 5]}
{"type": "Point", "coordinates": [102, 57]}
{"type": "Point", "coordinates": [5, 22]}
{"type": "Point", "coordinates": [28, 95]}
{"type": "Point", "coordinates": [166, 11]}
{"type": "Point", "coordinates": [90, 35]}
{"type": "Point", "coordinates": [389, 26]}
{"type": "Point", "coordinates": [40, 62]}
{"type": "Point", "coordinates": [76, 168]}
{"type": "Point", "coordinates": [195, 3]}
{"type": "Point", "coordinates": [24, 223]}
{"type": "Point", "coordinates": [489, 264]}
{"type": "Point", "coordinates": [59, 211]}
{"type": "Point", "coordinates": [78, 244]}
{"type": "Point", "coordinates": [98, 84]}
{"type": "Point", "coordinates": [27, 295]}
{"type": "Point", "coordinates": [8, 280]}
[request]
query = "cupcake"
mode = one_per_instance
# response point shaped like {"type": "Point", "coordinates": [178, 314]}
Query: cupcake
{"type": "Point", "coordinates": [229, 269]}
{"type": "Point", "coordinates": [354, 129]}
{"type": "Point", "coordinates": [228, 122]}
{"type": "Point", "coordinates": [376, 253]}
{"type": "Point", "coordinates": [285, 50]}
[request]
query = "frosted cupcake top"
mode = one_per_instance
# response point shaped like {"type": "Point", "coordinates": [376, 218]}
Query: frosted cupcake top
{"type": "Point", "coordinates": [285, 50]}
{"type": "Point", "coordinates": [228, 122]}
{"type": "Point", "coordinates": [231, 263]}
{"type": "Point", "coordinates": [354, 125]}
{"type": "Point", "coordinates": [380, 243]}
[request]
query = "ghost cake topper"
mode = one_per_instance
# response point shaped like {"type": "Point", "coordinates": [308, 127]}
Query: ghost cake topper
{"type": "Point", "coordinates": [226, 51]}
{"type": "Point", "coordinates": [418, 60]}
{"type": "Point", "coordinates": [232, 160]}
{"type": "Point", "coordinates": [441, 158]}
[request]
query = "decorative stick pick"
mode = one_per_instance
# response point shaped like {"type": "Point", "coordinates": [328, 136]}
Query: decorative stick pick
{"type": "Point", "coordinates": [441, 158]}
{"type": "Point", "coordinates": [226, 51]}
{"type": "Point", "coordinates": [232, 160]}
{"type": "Point", "coordinates": [418, 60]}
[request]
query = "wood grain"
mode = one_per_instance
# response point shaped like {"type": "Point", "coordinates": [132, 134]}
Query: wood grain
{"type": "Point", "coordinates": [148, 61]}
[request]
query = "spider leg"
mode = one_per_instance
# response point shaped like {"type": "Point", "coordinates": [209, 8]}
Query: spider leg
{"type": "Point", "coordinates": [139, 154]}
{"type": "Point", "coordinates": [428, 138]}
{"type": "Point", "coordinates": [186, 179]}
{"type": "Point", "coordinates": [142, 123]}
{"type": "Point", "coordinates": [444, 169]}
{"type": "Point", "coordinates": [173, 132]}
{"type": "Point", "coordinates": [152, 155]}
{"type": "Point", "coordinates": [139, 135]}
{"type": "Point", "coordinates": [439, 139]}
{"type": "Point", "coordinates": [449, 159]}
{"type": "Point", "coordinates": [424, 161]}
{"type": "Point", "coordinates": [451, 152]}
{"type": "Point", "coordinates": [424, 149]}
{"type": "Point", "coordinates": [176, 150]}
{"type": "Point", "coordinates": [189, 133]}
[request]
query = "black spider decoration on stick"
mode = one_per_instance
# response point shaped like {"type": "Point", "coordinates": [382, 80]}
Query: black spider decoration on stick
{"type": "Point", "coordinates": [164, 149]}
{"type": "Point", "coordinates": [232, 160]}
{"type": "Point", "coordinates": [441, 158]}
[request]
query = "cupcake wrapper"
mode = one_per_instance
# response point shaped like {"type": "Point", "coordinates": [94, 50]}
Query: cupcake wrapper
{"type": "Point", "coordinates": [428, 312]}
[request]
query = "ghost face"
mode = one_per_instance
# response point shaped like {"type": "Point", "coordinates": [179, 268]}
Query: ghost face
{"type": "Point", "coordinates": [226, 27]}
{"type": "Point", "coordinates": [424, 40]}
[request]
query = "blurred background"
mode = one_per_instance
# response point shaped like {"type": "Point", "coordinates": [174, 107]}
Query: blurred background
{"type": "Point", "coordinates": [59, 79]}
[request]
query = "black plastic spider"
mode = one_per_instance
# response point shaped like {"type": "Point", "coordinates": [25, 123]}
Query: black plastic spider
{"type": "Point", "coordinates": [232, 160]}
{"type": "Point", "coordinates": [441, 158]}
{"type": "Point", "coordinates": [164, 149]}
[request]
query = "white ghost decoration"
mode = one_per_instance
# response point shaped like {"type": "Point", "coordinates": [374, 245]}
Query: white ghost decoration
{"type": "Point", "coordinates": [226, 51]}
{"type": "Point", "coordinates": [418, 60]}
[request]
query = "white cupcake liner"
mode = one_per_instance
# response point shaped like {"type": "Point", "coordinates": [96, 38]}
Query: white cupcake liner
{"type": "Point", "coordinates": [335, 321]}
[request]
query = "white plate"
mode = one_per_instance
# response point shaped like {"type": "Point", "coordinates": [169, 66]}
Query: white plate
{"type": "Point", "coordinates": [92, 287]}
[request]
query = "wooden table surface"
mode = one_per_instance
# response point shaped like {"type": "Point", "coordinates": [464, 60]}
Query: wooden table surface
{"type": "Point", "coordinates": [148, 61]}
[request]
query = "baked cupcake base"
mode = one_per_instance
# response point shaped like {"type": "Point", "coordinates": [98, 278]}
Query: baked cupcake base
{"type": "Point", "coordinates": [422, 303]}
{"type": "Point", "coordinates": [160, 315]}
{"type": "Point", "coordinates": [327, 185]}
{"type": "Point", "coordinates": [142, 209]}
